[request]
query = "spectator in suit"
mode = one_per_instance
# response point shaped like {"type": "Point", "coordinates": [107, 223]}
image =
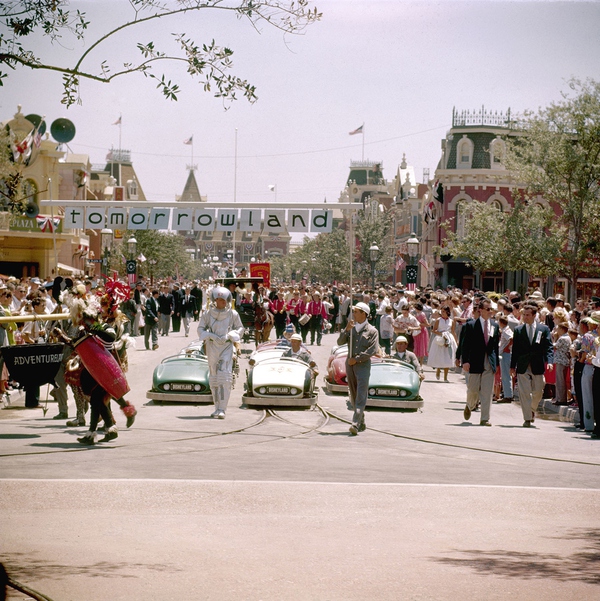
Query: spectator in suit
{"type": "Point", "coordinates": [531, 352]}
{"type": "Point", "coordinates": [177, 297]}
{"type": "Point", "coordinates": [165, 310]}
{"type": "Point", "coordinates": [479, 358]}
{"type": "Point", "coordinates": [196, 292]}
{"type": "Point", "coordinates": [188, 309]}
{"type": "Point", "coordinates": [151, 321]}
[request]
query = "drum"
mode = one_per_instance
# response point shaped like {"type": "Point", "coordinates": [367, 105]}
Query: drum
{"type": "Point", "coordinates": [33, 364]}
{"type": "Point", "coordinates": [103, 367]}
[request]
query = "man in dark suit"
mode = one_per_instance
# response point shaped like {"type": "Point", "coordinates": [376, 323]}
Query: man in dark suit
{"type": "Point", "coordinates": [363, 342]}
{"type": "Point", "coordinates": [177, 294]}
{"type": "Point", "coordinates": [479, 358]}
{"type": "Point", "coordinates": [151, 321]}
{"type": "Point", "coordinates": [196, 293]}
{"type": "Point", "coordinates": [188, 310]}
{"type": "Point", "coordinates": [165, 310]}
{"type": "Point", "coordinates": [531, 351]}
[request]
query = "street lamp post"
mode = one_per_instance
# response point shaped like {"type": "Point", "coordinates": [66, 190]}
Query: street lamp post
{"type": "Point", "coordinates": [106, 239]}
{"type": "Point", "coordinates": [412, 271]}
{"type": "Point", "coordinates": [373, 255]}
{"type": "Point", "coordinates": [152, 263]}
{"type": "Point", "coordinates": [131, 264]}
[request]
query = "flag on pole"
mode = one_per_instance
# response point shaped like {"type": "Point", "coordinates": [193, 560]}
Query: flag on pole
{"type": "Point", "coordinates": [358, 130]}
{"type": "Point", "coordinates": [118, 121]}
{"type": "Point", "coordinates": [189, 141]}
{"type": "Point", "coordinates": [400, 263]}
{"type": "Point", "coordinates": [423, 262]}
{"type": "Point", "coordinates": [438, 191]}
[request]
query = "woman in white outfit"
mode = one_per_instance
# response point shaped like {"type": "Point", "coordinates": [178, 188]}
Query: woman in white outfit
{"type": "Point", "coordinates": [220, 327]}
{"type": "Point", "coordinates": [443, 348]}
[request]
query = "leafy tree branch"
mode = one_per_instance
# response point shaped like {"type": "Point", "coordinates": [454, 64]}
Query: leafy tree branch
{"type": "Point", "coordinates": [26, 21]}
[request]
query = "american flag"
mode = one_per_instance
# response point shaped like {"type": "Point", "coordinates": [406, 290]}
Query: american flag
{"type": "Point", "coordinates": [412, 287]}
{"type": "Point", "coordinates": [131, 277]}
{"type": "Point", "coordinates": [400, 263]}
{"type": "Point", "coordinates": [423, 262]}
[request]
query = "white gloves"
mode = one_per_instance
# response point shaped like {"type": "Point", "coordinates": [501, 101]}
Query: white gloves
{"type": "Point", "coordinates": [233, 336]}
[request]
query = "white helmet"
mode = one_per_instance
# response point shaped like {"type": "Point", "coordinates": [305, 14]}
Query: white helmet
{"type": "Point", "coordinates": [220, 292]}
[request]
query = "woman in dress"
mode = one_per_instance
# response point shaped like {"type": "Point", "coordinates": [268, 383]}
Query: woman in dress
{"type": "Point", "coordinates": [421, 338]}
{"type": "Point", "coordinates": [407, 325]}
{"type": "Point", "coordinates": [443, 349]}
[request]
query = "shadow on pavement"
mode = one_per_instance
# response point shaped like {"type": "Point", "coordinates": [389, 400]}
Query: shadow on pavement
{"type": "Point", "coordinates": [23, 568]}
{"type": "Point", "coordinates": [581, 566]}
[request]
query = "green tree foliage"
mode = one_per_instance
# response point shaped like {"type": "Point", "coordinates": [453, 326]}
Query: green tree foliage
{"type": "Point", "coordinates": [524, 238]}
{"type": "Point", "coordinates": [558, 157]}
{"type": "Point", "coordinates": [374, 230]}
{"type": "Point", "coordinates": [24, 23]}
{"type": "Point", "coordinates": [167, 249]}
{"type": "Point", "coordinates": [326, 258]}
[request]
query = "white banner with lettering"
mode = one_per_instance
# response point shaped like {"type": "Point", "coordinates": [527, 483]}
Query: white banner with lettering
{"type": "Point", "coordinates": [202, 220]}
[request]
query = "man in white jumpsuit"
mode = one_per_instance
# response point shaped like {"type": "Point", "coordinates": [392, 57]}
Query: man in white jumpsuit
{"type": "Point", "coordinates": [220, 327]}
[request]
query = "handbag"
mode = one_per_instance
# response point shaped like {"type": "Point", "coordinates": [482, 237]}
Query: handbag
{"type": "Point", "coordinates": [441, 341]}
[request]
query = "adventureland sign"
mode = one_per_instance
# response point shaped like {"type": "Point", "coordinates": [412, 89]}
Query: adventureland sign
{"type": "Point", "coordinates": [201, 220]}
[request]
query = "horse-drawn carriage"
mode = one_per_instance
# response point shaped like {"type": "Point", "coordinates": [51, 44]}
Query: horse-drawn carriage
{"type": "Point", "coordinates": [252, 314]}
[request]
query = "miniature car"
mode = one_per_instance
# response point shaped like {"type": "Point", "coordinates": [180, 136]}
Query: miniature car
{"type": "Point", "coordinates": [335, 380]}
{"type": "Point", "coordinates": [280, 382]}
{"type": "Point", "coordinates": [182, 378]}
{"type": "Point", "coordinates": [393, 384]}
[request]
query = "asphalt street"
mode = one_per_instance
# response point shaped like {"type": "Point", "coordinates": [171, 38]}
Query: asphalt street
{"type": "Point", "coordinates": [286, 505]}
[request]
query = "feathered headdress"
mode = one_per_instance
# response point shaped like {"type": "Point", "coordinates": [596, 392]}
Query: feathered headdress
{"type": "Point", "coordinates": [115, 292]}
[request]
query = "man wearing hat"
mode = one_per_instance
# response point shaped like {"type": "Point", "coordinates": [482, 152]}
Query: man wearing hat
{"type": "Point", "coordinates": [403, 354]}
{"type": "Point", "coordinates": [297, 351]}
{"type": "Point", "coordinates": [284, 341]}
{"type": "Point", "coordinates": [362, 339]}
{"type": "Point", "coordinates": [532, 350]}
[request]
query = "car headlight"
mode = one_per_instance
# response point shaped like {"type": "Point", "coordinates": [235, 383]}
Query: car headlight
{"type": "Point", "coordinates": [262, 390]}
{"type": "Point", "coordinates": [166, 387]}
{"type": "Point", "coordinates": [197, 387]}
{"type": "Point", "coordinates": [403, 393]}
{"type": "Point", "coordinates": [371, 391]}
{"type": "Point", "coordinates": [294, 391]}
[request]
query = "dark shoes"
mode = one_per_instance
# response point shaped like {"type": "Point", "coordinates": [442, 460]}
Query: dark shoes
{"type": "Point", "coordinates": [467, 413]}
{"type": "Point", "coordinates": [353, 430]}
{"type": "Point", "coordinates": [111, 434]}
{"type": "Point", "coordinates": [485, 422]}
{"type": "Point", "coordinates": [362, 427]}
{"type": "Point", "coordinates": [89, 439]}
{"type": "Point", "coordinates": [155, 347]}
{"type": "Point", "coordinates": [60, 416]}
{"type": "Point", "coordinates": [526, 424]}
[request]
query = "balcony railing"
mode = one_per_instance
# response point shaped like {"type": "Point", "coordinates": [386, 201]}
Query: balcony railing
{"type": "Point", "coordinates": [482, 117]}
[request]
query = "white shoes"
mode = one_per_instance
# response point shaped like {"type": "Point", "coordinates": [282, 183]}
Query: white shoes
{"type": "Point", "coordinates": [215, 413]}
{"type": "Point", "coordinates": [221, 414]}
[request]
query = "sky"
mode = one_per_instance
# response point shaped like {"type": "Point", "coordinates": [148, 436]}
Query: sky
{"type": "Point", "coordinates": [397, 67]}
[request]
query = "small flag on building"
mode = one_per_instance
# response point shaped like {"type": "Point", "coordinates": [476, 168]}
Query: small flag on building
{"type": "Point", "coordinates": [438, 191]}
{"type": "Point", "coordinates": [400, 263]}
{"type": "Point", "coordinates": [118, 121]}
{"type": "Point", "coordinates": [358, 130]}
{"type": "Point", "coordinates": [189, 141]}
{"type": "Point", "coordinates": [423, 262]}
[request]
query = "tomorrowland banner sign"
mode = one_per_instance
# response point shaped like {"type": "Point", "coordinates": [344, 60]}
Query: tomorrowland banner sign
{"type": "Point", "coordinates": [201, 220]}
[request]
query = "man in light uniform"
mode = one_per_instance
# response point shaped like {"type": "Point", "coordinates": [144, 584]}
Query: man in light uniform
{"type": "Point", "coordinates": [220, 327]}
